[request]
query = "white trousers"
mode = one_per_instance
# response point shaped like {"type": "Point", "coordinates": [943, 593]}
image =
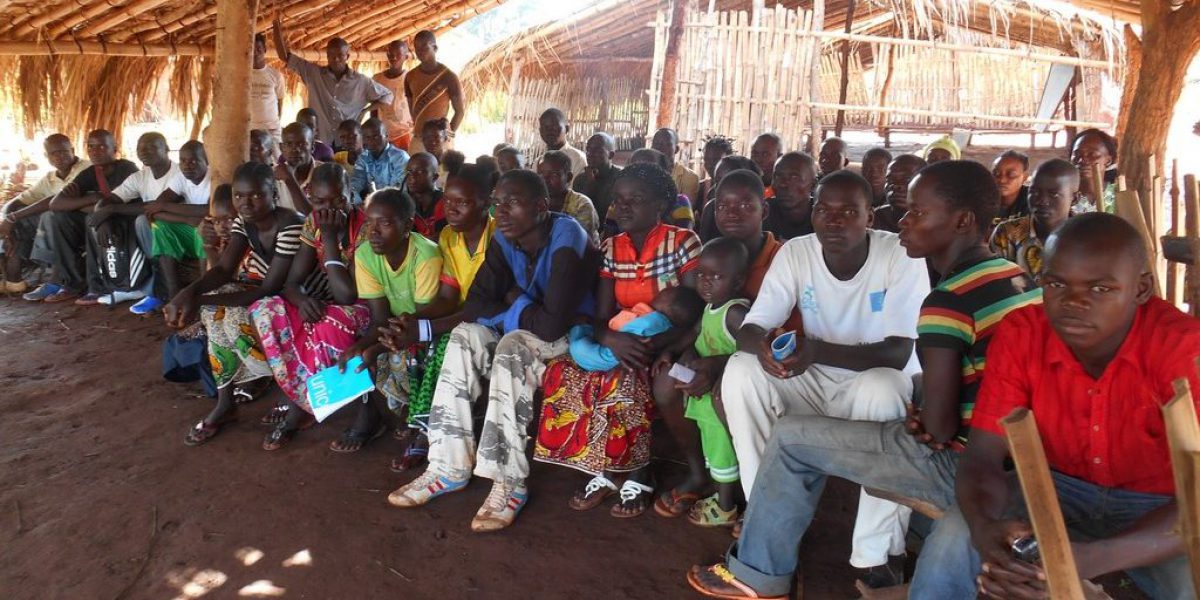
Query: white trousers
{"type": "Point", "coordinates": [754, 400]}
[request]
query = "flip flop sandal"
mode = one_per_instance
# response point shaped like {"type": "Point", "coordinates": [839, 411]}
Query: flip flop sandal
{"type": "Point", "coordinates": [633, 496]}
{"type": "Point", "coordinates": [708, 513]}
{"type": "Point", "coordinates": [282, 434]}
{"type": "Point", "coordinates": [736, 590]}
{"type": "Point", "coordinates": [202, 432]}
{"type": "Point", "coordinates": [414, 455]}
{"type": "Point", "coordinates": [346, 444]}
{"type": "Point", "coordinates": [594, 493]}
{"type": "Point", "coordinates": [274, 416]}
{"type": "Point", "coordinates": [674, 504]}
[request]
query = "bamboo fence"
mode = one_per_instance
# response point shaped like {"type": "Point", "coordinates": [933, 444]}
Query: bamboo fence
{"type": "Point", "coordinates": [616, 106]}
{"type": "Point", "coordinates": [740, 74]}
{"type": "Point", "coordinates": [745, 73]}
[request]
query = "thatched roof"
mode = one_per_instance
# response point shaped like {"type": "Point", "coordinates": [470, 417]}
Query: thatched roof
{"type": "Point", "coordinates": [78, 64]}
{"type": "Point", "coordinates": [608, 39]}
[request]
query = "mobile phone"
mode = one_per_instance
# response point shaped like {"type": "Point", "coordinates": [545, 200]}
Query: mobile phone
{"type": "Point", "coordinates": [681, 373]}
{"type": "Point", "coordinates": [1026, 549]}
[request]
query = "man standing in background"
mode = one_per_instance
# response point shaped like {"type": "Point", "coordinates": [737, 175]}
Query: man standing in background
{"type": "Point", "coordinates": [396, 118]}
{"type": "Point", "coordinates": [266, 92]}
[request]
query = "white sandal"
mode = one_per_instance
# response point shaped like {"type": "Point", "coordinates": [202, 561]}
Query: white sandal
{"type": "Point", "coordinates": [594, 493]}
{"type": "Point", "coordinates": [631, 490]}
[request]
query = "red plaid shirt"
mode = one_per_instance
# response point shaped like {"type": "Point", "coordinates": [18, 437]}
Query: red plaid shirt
{"type": "Point", "coordinates": [1108, 431]}
{"type": "Point", "coordinates": [666, 255]}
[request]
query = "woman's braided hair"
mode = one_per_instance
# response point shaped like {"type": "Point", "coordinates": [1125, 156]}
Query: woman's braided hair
{"type": "Point", "coordinates": [656, 180]}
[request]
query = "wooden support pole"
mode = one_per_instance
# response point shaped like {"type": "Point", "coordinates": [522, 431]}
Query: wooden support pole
{"type": "Point", "coordinates": [1191, 279]}
{"type": "Point", "coordinates": [1183, 437]}
{"type": "Point", "coordinates": [514, 82]}
{"type": "Point", "coordinates": [1025, 446]}
{"type": "Point", "coordinates": [228, 141]}
{"type": "Point", "coordinates": [1129, 207]}
{"type": "Point", "coordinates": [814, 84]}
{"type": "Point", "coordinates": [1174, 282]}
{"type": "Point", "coordinates": [845, 84]}
{"type": "Point", "coordinates": [881, 125]}
{"type": "Point", "coordinates": [670, 75]}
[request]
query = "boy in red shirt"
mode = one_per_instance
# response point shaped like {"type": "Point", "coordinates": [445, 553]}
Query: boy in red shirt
{"type": "Point", "coordinates": [1094, 364]}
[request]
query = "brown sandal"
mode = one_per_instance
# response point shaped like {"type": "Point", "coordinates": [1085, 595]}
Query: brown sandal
{"type": "Point", "coordinates": [274, 416]}
{"type": "Point", "coordinates": [675, 504]}
{"type": "Point", "coordinates": [593, 494]}
{"type": "Point", "coordinates": [282, 434]}
{"type": "Point", "coordinates": [202, 432]}
{"type": "Point", "coordinates": [634, 500]}
{"type": "Point", "coordinates": [717, 582]}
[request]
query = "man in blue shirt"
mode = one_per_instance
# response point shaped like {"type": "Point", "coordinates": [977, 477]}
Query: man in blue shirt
{"type": "Point", "coordinates": [381, 165]}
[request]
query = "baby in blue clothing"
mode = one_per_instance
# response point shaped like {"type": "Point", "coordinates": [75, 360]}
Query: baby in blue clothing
{"type": "Point", "coordinates": [673, 307]}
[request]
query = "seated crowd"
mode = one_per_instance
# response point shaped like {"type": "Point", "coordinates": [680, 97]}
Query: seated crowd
{"type": "Point", "coordinates": [788, 319]}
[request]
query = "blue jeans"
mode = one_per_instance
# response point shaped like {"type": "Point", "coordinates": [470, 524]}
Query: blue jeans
{"type": "Point", "coordinates": [949, 563]}
{"type": "Point", "coordinates": [801, 453]}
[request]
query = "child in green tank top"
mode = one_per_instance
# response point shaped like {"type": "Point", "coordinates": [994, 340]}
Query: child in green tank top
{"type": "Point", "coordinates": [721, 273]}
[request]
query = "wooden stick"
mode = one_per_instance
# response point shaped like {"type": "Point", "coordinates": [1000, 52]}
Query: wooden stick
{"type": "Point", "coordinates": [1025, 446]}
{"type": "Point", "coordinates": [845, 71]}
{"type": "Point", "coordinates": [1191, 211]}
{"type": "Point", "coordinates": [1097, 176]}
{"type": "Point", "coordinates": [1183, 436]}
{"type": "Point", "coordinates": [1174, 287]}
{"type": "Point", "coordinates": [1128, 207]}
{"type": "Point", "coordinates": [83, 48]}
{"type": "Point", "coordinates": [814, 86]}
{"type": "Point", "coordinates": [958, 115]}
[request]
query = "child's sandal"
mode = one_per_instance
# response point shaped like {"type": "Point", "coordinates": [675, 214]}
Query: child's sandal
{"type": "Point", "coordinates": [708, 513]}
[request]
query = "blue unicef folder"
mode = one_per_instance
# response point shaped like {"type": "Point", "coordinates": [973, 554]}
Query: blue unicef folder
{"type": "Point", "coordinates": [329, 389]}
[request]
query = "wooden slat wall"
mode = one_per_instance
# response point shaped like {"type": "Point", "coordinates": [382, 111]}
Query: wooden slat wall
{"type": "Point", "coordinates": [617, 106]}
{"type": "Point", "coordinates": [742, 74]}
{"type": "Point", "coordinates": [739, 75]}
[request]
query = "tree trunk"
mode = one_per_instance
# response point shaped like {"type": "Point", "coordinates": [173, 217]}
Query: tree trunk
{"type": "Point", "coordinates": [1133, 68]}
{"type": "Point", "coordinates": [1169, 42]}
{"type": "Point", "coordinates": [228, 140]}
{"type": "Point", "coordinates": [670, 75]}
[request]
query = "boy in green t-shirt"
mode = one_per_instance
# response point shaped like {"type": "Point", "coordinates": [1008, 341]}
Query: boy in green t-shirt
{"type": "Point", "coordinates": [397, 272]}
{"type": "Point", "coordinates": [721, 273]}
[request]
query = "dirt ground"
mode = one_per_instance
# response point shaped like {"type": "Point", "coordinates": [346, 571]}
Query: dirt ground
{"type": "Point", "coordinates": [100, 499]}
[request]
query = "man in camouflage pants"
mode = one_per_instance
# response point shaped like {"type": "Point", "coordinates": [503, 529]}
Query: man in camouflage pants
{"type": "Point", "coordinates": [536, 280]}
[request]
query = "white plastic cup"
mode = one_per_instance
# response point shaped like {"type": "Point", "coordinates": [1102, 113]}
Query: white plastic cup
{"type": "Point", "coordinates": [784, 345]}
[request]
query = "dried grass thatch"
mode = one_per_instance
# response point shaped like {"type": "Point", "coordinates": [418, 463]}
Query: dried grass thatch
{"type": "Point", "coordinates": [77, 64]}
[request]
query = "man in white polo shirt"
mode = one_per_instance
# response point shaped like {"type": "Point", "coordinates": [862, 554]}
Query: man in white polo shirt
{"type": "Point", "coordinates": [860, 297]}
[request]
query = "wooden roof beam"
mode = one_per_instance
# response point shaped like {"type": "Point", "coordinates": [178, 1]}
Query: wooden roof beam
{"type": "Point", "coordinates": [115, 15]}
{"type": "Point", "coordinates": [381, 39]}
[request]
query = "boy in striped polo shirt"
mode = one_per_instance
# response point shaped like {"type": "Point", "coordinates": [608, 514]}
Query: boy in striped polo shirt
{"type": "Point", "coordinates": [951, 206]}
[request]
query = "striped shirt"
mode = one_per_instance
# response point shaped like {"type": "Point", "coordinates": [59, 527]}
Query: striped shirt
{"type": "Point", "coordinates": [317, 283]}
{"type": "Point", "coordinates": [962, 312]}
{"type": "Point", "coordinates": [667, 253]}
{"type": "Point", "coordinates": [258, 259]}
